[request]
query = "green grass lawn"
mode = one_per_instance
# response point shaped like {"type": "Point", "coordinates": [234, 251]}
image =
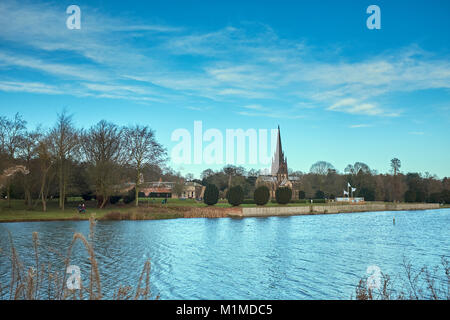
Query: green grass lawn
{"type": "Point", "coordinates": [19, 212]}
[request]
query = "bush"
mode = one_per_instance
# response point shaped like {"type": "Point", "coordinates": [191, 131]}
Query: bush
{"type": "Point", "coordinates": [320, 194]}
{"type": "Point", "coordinates": [140, 194]}
{"type": "Point", "coordinates": [301, 195]}
{"type": "Point", "coordinates": [367, 194]}
{"type": "Point", "coordinates": [235, 196]}
{"type": "Point", "coordinates": [114, 199]}
{"type": "Point", "coordinates": [261, 195]}
{"type": "Point", "coordinates": [211, 195]}
{"type": "Point", "coordinates": [319, 201]}
{"type": "Point", "coordinates": [127, 199]}
{"type": "Point", "coordinates": [248, 201]}
{"type": "Point", "coordinates": [283, 195]}
{"type": "Point", "coordinates": [299, 201]}
{"type": "Point", "coordinates": [87, 196]}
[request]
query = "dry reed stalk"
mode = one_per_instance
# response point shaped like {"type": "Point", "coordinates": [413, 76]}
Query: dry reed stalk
{"type": "Point", "coordinates": [27, 286]}
{"type": "Point", "coordinates": [146, 271]}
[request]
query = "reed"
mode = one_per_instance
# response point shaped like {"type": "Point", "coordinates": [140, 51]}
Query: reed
{"type": "Point", "coordinates": [413, 284]}
{"type": "Point", "coordinates": [29, 283]}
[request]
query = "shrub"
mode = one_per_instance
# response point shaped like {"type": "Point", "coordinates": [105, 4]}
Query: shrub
{"type": "Point", "coordinates": [320, 194]}
{"type": "Point", "coordinates": [87, 196]}
{"type": "Point", "coordinates": [299, 201]}
{"type": "Point", "coordinates": [249, 201]}
{"type": "Point", "coordinates": [141, 194]}
{"type": "Point", "coordinates": [235, 196]}
{"type": "Point", "coordinates": [127, 199]}
{"type": "Point", "coordinates": [301, 195]}
{"type": "Point", "coordinates": [130, 197]}
{"type": "Point", "coordinates": [283, 195]}
{"type": "Point", "coordinates": [261, 195]}
{"type": "Point", "coordinates": [114, 199]}
{"type": "Point", "coordinates": [367, 194]}
{"type": "Point", "coordinates": [319, 201]}
{"type": "Point", "coordinates": [211, 195]}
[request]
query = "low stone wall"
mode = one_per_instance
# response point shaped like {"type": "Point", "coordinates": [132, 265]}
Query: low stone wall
{"type": "Point", "coordinates": [325, 209]}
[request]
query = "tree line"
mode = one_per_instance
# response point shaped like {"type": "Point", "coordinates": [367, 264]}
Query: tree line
{"type": "Point", "coordinates": [65, 161]}
{"type": "Point", "coordinates": [324, 181]}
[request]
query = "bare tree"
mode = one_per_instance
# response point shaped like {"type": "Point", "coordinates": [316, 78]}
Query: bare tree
{"type": "Point", "coordinates": [178, 187]}
{"type": "Point", "coordinates": [27, 152]}
{"type": "Point", "coordinates": [321, 167]}
{"type": "Point", "coordinates": [142, 149]}
{"type": "Point", "coordinates": [63, 144]}
{"type": "Point", "coordinates": [357, 168]}
{"type": "Point", "coordinates": [46, 162]}
{"type": "Point", "coordinates": [395, 165]}
{"type": "Point", "coordinates": [11, 131]}
{"type": "Point", "coordinates": [102, 148]}
{"type": "Point", "coordinates": [232, 171]}
{"type": "Point", "coordinates": [206, 173]}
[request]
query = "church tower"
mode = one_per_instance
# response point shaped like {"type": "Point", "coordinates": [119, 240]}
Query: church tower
{"type": "Point", "coordinates": [279, 162]}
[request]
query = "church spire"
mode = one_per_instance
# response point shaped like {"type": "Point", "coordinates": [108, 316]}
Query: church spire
{"type": "Point", "coordinates": [279, 165]}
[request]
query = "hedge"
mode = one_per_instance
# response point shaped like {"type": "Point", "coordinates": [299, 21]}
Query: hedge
{"type": "Point", "coordinates": [235, 196]}
{"type": "Point", "coordinates": [211, 195]}
{"type": "Point", "coordinates": [261, 195]}
{"type": "Point", "coordinates": [283, 195]}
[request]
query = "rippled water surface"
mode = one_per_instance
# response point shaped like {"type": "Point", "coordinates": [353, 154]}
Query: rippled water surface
{"type": "Point", "coordinates": [299, 257]}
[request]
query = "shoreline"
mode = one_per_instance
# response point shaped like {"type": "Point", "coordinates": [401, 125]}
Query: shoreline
{"type": "Point", "coordinates": [235, 212]}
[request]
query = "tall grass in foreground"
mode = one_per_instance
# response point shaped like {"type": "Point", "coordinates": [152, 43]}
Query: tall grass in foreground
{"type": "Point", "coordinates": [422, 284]}
{"type": "Point", "coordinates": [42, 282]}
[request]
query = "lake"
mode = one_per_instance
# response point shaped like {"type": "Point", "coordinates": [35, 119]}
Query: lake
{"type": "Point", "coordinates": [297, 257]}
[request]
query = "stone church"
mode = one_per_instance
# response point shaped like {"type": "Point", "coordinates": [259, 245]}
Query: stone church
{"type": "Point", "coordinates": [279, 176]}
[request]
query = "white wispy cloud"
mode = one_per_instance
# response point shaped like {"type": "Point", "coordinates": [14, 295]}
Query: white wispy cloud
{"type": "Point", "coordinates": [361, 125]}
{"type": "Point", "coordinates": [32, 87]}
{"type": "Point", "coordinates": [353, 106]}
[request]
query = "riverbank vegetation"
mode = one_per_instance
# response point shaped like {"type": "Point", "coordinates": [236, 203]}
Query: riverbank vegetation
{"type": "Point", "coordinates": [413, 283]}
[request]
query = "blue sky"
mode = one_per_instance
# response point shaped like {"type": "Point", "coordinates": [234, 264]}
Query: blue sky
{"type": "Point", "coordinates": [340, 92]}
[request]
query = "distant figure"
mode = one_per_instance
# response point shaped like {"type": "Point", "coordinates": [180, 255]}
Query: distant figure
{"type": "Point", "coordinates": [393, 221]}
{"type": "Point", "coordinates": [81, 208]}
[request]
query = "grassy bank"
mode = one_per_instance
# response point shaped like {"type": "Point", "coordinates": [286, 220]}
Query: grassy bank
{"type": "Point", "coordinates": [148, 210]}
{"type": "Point", "coordinates": [19, 212]}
